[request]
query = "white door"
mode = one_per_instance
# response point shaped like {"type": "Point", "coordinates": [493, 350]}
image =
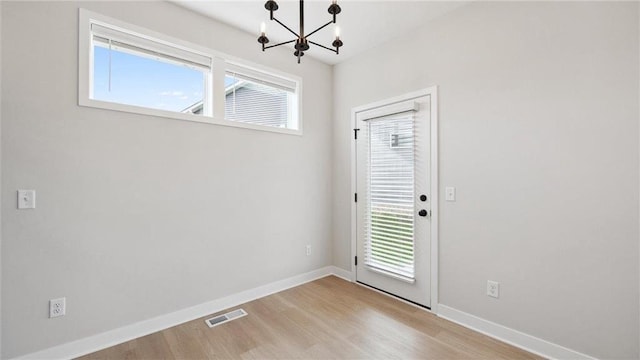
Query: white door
{"type": "Point", "coordinates": [393, 199]}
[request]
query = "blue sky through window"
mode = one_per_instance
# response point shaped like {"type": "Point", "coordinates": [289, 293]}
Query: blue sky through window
{"type": "Point", "coordinates": [141, 81]}
{"type": "Point", "coordinates": [229, 80]}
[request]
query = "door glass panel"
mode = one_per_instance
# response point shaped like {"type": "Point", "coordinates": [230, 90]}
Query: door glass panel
{"type": "Point", "coordinates": [389, 220]}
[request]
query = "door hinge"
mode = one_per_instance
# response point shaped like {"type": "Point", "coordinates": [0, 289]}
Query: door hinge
{"type": "Point", "coordinates": [355, 133]}
{"type": "Point", "coordinates": [355, 197]}
{"type": "Point", "coordinates": [356, 261]}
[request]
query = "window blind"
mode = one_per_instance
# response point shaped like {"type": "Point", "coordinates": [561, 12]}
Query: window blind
{"type": "Point", "coordinates": [389, 220]}
{"type": "Point", "coordinates": [387, 110]}
{"type": "Point", "coordinates": [259, 77]}
{"type": "Point", "coordinates": [139, 45]}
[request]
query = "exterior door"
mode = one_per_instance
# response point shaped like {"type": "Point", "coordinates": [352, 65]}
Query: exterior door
{"type": "Point", "coordinates": [393, 199]}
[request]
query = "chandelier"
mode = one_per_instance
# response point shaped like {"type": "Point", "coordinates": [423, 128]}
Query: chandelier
{"type": "Point", "coordinates": [301, 41]}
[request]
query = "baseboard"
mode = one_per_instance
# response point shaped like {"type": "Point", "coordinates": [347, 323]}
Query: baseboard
{"type": "Point", "coordinates": [341, 273]}
{"type": "Point", "coordinates": [510, 336]}
{"type": "Point", "coordinates": [117, 336]}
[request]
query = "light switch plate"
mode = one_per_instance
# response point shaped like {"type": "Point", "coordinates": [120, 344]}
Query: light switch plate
{"type": "Point", "coordinates": [26, 199]}
{"type": "Point", "coordinates": [450, 193]}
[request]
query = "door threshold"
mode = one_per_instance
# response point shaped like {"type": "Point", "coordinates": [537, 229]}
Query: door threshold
{"type": "Point", "coordinates": [394, 296]}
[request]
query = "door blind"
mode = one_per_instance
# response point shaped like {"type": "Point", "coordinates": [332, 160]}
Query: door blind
{"type": "Point", "coordinates": [389, 220]}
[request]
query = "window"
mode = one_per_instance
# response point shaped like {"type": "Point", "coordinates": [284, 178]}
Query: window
{"type": "Point", "coordinates": [127, 68]}
{"type": "Point", "coordinates": [132, 70]}
{"type": "Point", "coordinates": [390, 229]}
{"type": "Point", "coordinates": [251, 97]}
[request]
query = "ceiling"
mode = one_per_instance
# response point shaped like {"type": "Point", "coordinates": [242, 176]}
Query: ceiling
{"type": "Point", "coordinates": [363, 24]}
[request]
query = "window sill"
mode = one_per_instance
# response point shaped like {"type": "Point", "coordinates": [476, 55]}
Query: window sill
{"type": "Point", "coordinates": [182, 116]}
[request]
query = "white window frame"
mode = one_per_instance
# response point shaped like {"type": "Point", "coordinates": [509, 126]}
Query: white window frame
{"type": "Point", "coordinates": [216, 97]}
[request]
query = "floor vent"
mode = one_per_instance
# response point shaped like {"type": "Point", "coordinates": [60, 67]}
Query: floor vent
{"type": "Point", "coordinates": [221, 319]}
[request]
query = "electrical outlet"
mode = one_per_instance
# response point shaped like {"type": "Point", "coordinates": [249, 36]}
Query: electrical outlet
{"type": "Point", "coordinates": [308, 250]}
{"type": "Point", "coordinates": [493, 289]}
{"type": "Point", "coordinates": [57, 307]}
{"type": "Point", "coordinates": [26, 199]}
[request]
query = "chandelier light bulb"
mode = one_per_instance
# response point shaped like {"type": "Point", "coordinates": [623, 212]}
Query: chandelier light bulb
{"type": "Point", "coordinates": [337, 32]}
{"type": "Point", "coordinates": [263, 28]}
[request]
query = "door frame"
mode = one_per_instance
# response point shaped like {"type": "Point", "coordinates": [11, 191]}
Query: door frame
{"type": "Point", "coordinates": [433, 93]}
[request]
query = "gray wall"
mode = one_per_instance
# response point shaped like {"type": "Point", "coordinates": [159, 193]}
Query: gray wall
{"type": "Point", "coordinates": [539, 133]}
{"type": "Point", "coordinates": [139, 216]}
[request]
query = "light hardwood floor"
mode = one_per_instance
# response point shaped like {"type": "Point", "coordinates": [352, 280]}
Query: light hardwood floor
{"type": "Point", "coordinates": [325, 319]}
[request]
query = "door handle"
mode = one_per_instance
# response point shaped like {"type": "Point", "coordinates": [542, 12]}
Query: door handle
{"type": "Point", "coordinates": [423, 213]}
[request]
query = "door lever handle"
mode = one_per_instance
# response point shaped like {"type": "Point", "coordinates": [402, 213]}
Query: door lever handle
{"type": "Point", "coordinates": [423, 213]}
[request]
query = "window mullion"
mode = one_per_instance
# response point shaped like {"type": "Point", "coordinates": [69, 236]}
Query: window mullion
{"type": "Point", "coordinates": [218, 95]}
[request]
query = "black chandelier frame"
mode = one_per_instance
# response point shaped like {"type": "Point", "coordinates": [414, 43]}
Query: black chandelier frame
{"type": "Point", "coordinates": [301, 41]}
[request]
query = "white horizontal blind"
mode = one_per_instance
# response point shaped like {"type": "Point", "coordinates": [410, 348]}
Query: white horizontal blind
{"type": "Point", "coordinates": [260, 77]}
{"type": "Point", "coordinates": [250, 99]}
{"type": "Point", "coordinates": [144, 46]}
{"type": "Point", "coordinates": [389, 220]}
{"type": "Point", "coordinates": [387, 110]}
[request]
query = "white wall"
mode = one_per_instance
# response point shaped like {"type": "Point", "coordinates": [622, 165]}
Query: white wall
{"type": "Point", "coordinates": [139, 216]}
{"type": "Point", "coordinates": [539, 133]}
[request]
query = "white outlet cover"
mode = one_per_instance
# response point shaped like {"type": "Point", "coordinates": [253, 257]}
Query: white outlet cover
{"type": "Point", "coordinates": [493, 289]}
{"type": "Point", "coordinates": [26, 199]}
{"type": "Point", "coordinates": [57, 307]}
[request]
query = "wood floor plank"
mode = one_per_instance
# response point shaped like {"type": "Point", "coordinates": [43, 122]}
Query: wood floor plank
{"type": "Point", "coordinates": [151, 346]}
{"type": "Point", "coordinates": [325, 319]}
